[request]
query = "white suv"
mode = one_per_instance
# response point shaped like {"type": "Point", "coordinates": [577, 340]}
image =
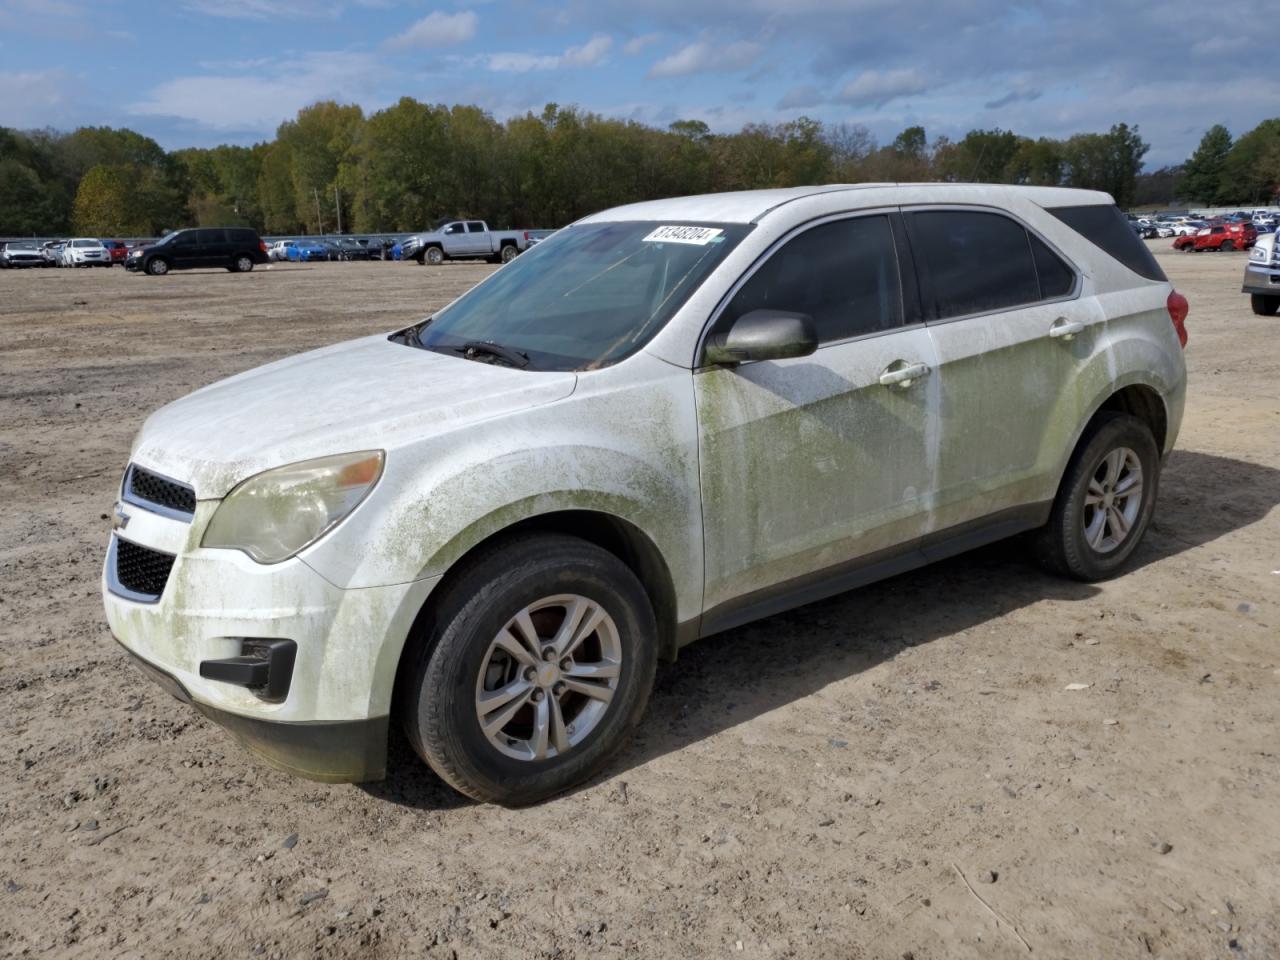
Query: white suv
{"type": "Point", "coordinates": [664, 421]}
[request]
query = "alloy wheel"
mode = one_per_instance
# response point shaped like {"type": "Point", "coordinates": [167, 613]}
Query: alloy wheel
{"type": "Point", "coordinates": [548, 677]}
{"type": "Point", "coordinates": [1113, 500]}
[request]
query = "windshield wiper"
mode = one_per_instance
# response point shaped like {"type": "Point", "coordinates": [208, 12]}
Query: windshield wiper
{"type": "Point", "coordinates": [486, 351]}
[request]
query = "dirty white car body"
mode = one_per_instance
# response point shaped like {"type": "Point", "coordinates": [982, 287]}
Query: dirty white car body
{"type": "Point", "coordinates": [738, 490]}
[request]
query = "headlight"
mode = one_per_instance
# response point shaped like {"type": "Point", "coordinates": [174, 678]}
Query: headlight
{"type": "Point", "coordinates": [278, 513]}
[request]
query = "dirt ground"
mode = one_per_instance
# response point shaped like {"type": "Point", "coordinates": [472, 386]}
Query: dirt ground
{"type": "Point", "coordinates": [840, 781]}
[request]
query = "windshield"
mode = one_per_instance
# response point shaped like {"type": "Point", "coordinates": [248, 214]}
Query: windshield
{"type": "Point", "coordinates": [588, 296]}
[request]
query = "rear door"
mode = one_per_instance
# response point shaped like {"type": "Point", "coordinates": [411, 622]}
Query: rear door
{"type": "Point", "coordinates": [212, 244]}
{"type": "Point", "coordinates": [812, 466]}
{"type": "Point", "coordinates": [1008, 326]}
{"type": "Point", "coordinates": [478, 240]}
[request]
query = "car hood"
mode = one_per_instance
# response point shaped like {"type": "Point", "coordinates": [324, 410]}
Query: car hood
{"type": "Point", "coordinates": [360, 395]}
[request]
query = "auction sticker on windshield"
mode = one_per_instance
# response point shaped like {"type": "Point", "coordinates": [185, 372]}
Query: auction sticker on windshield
{"type": "Point", "coordinates": [698, 236]}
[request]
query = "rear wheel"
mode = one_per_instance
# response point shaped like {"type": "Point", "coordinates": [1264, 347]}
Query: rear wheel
{"type": "Point", "coordinates": [1265, 305]}
{"type": "Point", "coordinates": [508, 253]}
{"type": "Point", "coordinates": [1105, 502]}
{"type": "Point", "coordinates": [243, 263]}
{"type": "Point", "coordinates": [537, 664]}
{"type": "Point", "coordinates": [1227, 245]}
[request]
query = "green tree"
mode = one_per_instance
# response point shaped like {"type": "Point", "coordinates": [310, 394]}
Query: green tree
{"type": "Point", "coordinates": [1107, 161]}
{"type": "Point", "coordinates": [1251, 172]}
{"type": "Point", "coordinates": [1201, 180]}
{"type": "Point", "coordinates": [107, 203]}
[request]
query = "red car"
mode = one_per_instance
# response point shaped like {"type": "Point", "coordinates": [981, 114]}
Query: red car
{"type": "Point", "coordinates": [117, 250]}
{"type": "Point", "coordinates": [1218, 236]}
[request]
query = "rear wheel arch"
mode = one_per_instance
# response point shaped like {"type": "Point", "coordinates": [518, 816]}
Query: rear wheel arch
{"type": "Point", "coordinates": [626, 541]}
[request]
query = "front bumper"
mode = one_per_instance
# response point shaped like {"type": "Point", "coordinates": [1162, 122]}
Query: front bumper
{"type": "Point", "coordinates": [1261, 278]}
{"type": "Point", "coordinates": [332, 723]}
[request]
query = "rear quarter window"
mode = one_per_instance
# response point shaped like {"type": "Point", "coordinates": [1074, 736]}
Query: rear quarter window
{"type": "Point", "coordinates": [1106, 228]}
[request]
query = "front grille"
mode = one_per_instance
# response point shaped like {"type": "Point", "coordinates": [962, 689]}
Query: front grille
{"type": "Point", "coordinates": [142, 570]}
{"type": "Point", "coordinates": [151, 488]}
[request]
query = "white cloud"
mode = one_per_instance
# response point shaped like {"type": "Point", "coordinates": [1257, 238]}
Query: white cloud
{"type": "Point", "coordinates": [436, 29]}
{"type": "Point", "coordinates": [35, 98]}
{"type": "Point", "coordinates": [706, 57]}
{"type": "Point", "coordinates": [637, 44]}
{"type": "Point", "coordinates": [878, 87]}
{"type": "Point", "coordinates": [589, 54]}
{"type": "Point", "coordinates": [260, 101]}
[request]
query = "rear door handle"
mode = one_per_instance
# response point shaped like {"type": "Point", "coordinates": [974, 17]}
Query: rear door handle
{"type": "Point", "coordinates": [903, 376]}
{"type": "Point", "coordinates": [1065, 329]}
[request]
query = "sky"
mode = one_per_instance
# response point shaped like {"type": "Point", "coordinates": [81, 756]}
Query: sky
{"type": "Point", "coordinates": [200, 73]}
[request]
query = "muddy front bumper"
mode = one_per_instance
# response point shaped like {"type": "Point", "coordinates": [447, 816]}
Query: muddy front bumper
{"type": "Point", "coordinates": [197, 626]}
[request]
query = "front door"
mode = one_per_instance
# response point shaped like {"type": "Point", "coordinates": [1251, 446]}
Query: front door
{"type": "Point", "coordinates": [812, 466]}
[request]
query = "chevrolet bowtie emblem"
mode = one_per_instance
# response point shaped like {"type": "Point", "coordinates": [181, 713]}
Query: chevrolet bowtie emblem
{"type": "Point", "coordinates": [119, 519]}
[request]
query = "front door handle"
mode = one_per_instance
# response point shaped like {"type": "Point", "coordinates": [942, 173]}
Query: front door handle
{"type": "Point", "coordinates": [901, 374]}
{"type": "Point", "coordinates": [1065, 329]}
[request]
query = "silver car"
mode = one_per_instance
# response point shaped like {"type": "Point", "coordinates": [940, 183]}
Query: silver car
{"type": "Point", "coordinates": [663, 421]}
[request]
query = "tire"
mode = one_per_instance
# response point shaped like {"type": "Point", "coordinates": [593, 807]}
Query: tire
{"type": "Point", "coordinates": [433, 256]}
{"type": "Point", "coordinates": [1064, 545]}
{"type": "Point", "coordinates": [1265, 305]}
{"type": "Point", "coordinates": [459, 660]}
{"type": "Point", "coordinates": [508, 253]}
{"type": "Point", "coordinates": [1226, 246]}
{"type": "Point", "coordinates": [158, 266]}
{"type": "Point", "coordinates": [243, 263]}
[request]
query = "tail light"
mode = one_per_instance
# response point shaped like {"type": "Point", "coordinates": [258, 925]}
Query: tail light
{"type": "Point", "coordinates": [262, 245]}
{"type": "Point", "coordinates": [526, 236]}
{"type": "Point", "coordinates": [1178, 309]}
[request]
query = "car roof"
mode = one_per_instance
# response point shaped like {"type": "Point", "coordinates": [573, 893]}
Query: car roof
{"type": "Point", "coordinates": [752, 206]}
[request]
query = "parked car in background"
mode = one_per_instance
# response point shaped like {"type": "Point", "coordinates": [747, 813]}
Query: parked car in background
{"type": "Point", "coordinates": [51, 250]}
{"type": "Point", "coordinates": [308, 251]}
{"type": "Point", "coordinates": [537, 236]}
{"type": "Point", "coordinates": [1262, 276]}
{"type": "Point", "coordinates": [280, 250]}
{"type": "Point", "coordinates": [85, 252]}
{"type": "Point", "coordinates": [465, 240]}
{"type": "Point", "coordinates": [349, 249]}
{"type": "Point", "coordinates": [668, 420]}
{"type": "Point", "coordinates": [117, 250]}
{"type": "Point", "coordinates": [21, 253]}
{"type": "Point", "coordinates": [237, 249]}
{"type": "Point", "coordinates": [1222, 236]}
{"type": "Point", "coordinates": [1185, 228]}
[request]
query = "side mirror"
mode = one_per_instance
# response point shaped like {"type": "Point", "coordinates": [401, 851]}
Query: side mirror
{"type": "Point", "coordinates": [764, 335]}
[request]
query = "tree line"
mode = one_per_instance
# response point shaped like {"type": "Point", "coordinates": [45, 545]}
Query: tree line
{"type": "Point", "coordinates": [406, 166]}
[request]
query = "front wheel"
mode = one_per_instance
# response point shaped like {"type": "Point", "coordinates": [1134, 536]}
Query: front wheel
{"type": "Point", "coordinates": [1265, 305]}
{"type": "Point", "coordinates": [1105, 502]}
{"type": "Point", "coordinates": [536, 665]}
{"type": "Point", "coordinates": [158, 267]}
{"type": "Point", "coordinates": [433, 256]}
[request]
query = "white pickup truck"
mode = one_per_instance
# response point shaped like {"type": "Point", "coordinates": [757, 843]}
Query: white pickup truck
{"type": "Point", "coordinates": [465, 240]}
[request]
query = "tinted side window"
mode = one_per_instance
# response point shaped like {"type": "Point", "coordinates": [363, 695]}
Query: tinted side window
{"type": "Point", "coordinates": [475, 228]}
{"type": "Point", "coordinates": [1105, 227]}
{"type": "Point", "coordinates": [453, 228]}
{"type": "Point", "coordinates": [241, 236]}
{"type": "Point", "coordinates": [974, 262]}
{"type": "Point", "coordinates": [1056, 278]}
{"type": "Point", "coordinates": [844, 274]}
{"type": "Point", "coordinates": [210, 236]}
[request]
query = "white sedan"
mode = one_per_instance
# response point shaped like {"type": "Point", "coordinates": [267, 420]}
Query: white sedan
{"type": "Point", "coordinates": [85, 252]}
